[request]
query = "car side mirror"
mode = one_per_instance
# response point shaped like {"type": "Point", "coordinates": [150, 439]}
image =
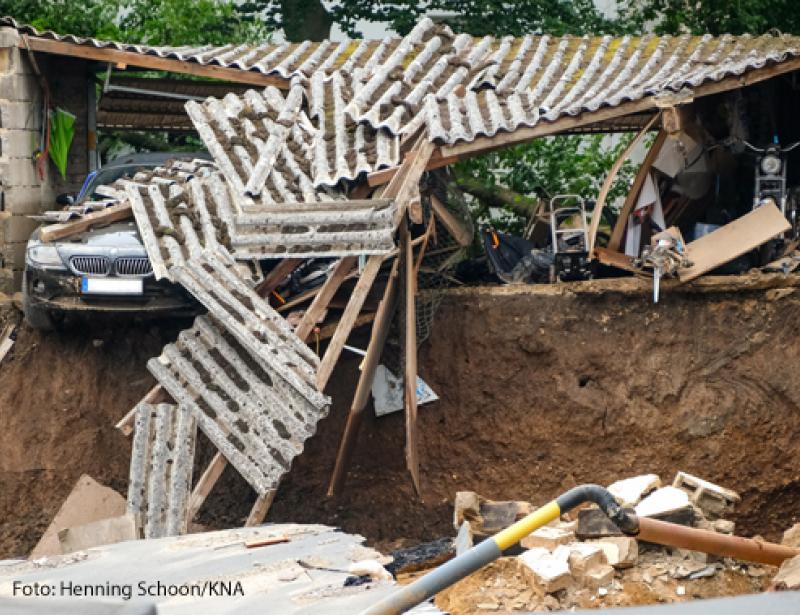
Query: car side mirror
{"type": "Point", "coordinates": [65, 199]}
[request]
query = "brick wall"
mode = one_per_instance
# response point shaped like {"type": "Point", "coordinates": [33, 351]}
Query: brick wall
{"type": "Point", "coordinates": [22, 191]}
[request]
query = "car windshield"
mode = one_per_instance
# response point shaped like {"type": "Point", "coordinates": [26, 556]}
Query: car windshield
{"type": "Point", "coordinates": [108, 175]}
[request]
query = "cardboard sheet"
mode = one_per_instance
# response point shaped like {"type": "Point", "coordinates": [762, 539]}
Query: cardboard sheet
{"type": "Point", "coordinates": [733, 240]}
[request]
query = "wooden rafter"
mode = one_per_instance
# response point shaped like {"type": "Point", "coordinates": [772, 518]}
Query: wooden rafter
{"type": "Point", "coordinates": [348, 320]}
{"type": "Point", "coordinates": [316, 311]}
{"type": "Point", "coordinates": [630, 200]}
{"type": "Point", "coordinates": [410, 377]}
{"type": "Point", "coordinates": [278, 274]}
{"type": "Point", "coordinates": [153, 62]}
{"type": "Point", "coordinates": [115, 213]}
{"type": "Point", "coordinates": [380, 331]}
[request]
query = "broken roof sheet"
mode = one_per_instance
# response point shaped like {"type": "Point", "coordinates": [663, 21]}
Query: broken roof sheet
{"type": "Point", "coordinates": [304, 575]}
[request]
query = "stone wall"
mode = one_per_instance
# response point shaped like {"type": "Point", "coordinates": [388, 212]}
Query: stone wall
{"type": "Point", "coordinates": [22, 191]}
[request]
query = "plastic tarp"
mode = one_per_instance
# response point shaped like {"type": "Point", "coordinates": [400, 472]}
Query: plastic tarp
{"type": "Point", "coordinates": [62, 131]}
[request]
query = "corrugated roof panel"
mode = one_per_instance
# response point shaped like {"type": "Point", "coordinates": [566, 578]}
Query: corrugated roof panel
{"type": "Point", "coordinates": [162, 459]}
{"type": "Point", "coordinates": [241, 403]}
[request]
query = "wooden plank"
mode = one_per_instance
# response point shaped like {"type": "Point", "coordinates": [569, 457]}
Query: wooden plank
{"type": "Point", "coordinates": [278, 274]}
{"type": "Point", "coordinates": [260, 509]}
{"type": "Point", "coordinates": [732, 240]}
{"type": "Point", "coordinates": [633, 194]}
{"type": "Point", "coordinates": [384, 176]}
{"type": "Point", "coordinates": [408, 188]}
{"type": "Point", "coordinates": [316, 311]}
{"type": "Point", "coordinates": [205, 484]}
{"type": "Point", "coordinates": [380, 331]}
{"type": "Point", "coordinates": [615, 259]}
{"type": "Point", "coordinates": [426, 237]}
{"type": "Point", "coordinates": [328, 330]}
{"type": "Point", "coordinates": [609, 180]}
{"type": "Point", "coordinates": [115, 213]}
{"type": "Point", "coordinates": [131, 58]}
{"type": "Point", "coordinates": [349, 317]}
{"type": "Point", "coordinates": [410, 384]}
{"type": "Point", "coordinates": [450, 221]}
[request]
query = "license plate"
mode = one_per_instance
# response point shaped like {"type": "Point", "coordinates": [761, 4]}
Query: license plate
{"type": "Point", "coordinates": [111, 286]}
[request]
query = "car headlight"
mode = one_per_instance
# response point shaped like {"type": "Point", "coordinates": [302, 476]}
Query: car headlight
{"type": "Point", "coordinates": [771, 165]}
{"type": "Point", "coordinates": [45, 257]}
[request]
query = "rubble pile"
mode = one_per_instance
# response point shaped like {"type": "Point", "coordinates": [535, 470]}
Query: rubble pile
{"type": "Point", "coordinates": [582, 560]}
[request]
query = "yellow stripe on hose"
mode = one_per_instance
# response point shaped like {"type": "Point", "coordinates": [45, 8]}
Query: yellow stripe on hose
{"type": "Point", "coordinates": [539, 517]}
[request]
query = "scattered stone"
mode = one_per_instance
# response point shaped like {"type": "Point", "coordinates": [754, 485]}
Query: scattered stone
{"type": "Point", "coordinates": [584, 556]}
{"type": "Point", "coordinates": [602, 591]}
{"type": "Point", "coordinates": [619, 551]}
{"type": "Point", "coordinates": [87, 502]}
{"type": "Point", "coordinates": [97, 533]}
{"type": "Point", "coordinates": [547, 537]}
{"type": "Point", "coordinates": [723, 526]}
{"type": "Point", "coordinates": [664, 501]}
{"type": "Point", "coordinates": [680, 590]}
{"type": "Point", "coordinates": [594, 523]}
{"type": "Point", "coordinates": [598, 577]}
{"type": "Point", "coordinates": [711, 498]}
{"type": "Point", "coordinates": [548, 571]}
{"type": "Point", "coordinates": [488, 606]}
{"type": "Point", "coordinates": [630, 491]}
{"type": "Point", "coordinates": [791, 537]}
{"type": "Point", "coordinates": [464, 539]}
{"type": "Point", "coordinates": [788, 576]}
{"type": "Point", "coordinates": [486, 517]}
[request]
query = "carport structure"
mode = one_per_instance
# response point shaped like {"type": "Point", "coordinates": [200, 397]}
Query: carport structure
{"type": "Point", "coordinates": [326, 156]}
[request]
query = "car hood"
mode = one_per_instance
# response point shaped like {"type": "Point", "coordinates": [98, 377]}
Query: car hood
{"type": "Point", "coordinates": [117, 235]}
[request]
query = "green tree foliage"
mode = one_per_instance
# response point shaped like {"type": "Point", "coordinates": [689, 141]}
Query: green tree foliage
{"type": "Point", "coordinates": [712, 16]}
{"type": "Point", "coordinates": [542, 169]}
{"type": "Point", "coordinates": [311, 19]}
{"type": "Point", "coordinates": [151, 22]}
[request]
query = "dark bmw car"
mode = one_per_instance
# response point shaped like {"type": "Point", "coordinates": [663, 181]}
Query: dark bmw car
{"type": "Point", "coordinates": [103, 269]}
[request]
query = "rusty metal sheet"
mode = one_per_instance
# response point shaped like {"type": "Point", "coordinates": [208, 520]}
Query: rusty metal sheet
{"type": "Point", "coordinates": [162, 459]}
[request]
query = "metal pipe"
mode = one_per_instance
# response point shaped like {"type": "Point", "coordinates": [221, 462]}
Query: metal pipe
{"type": "Point", "coordinates": [490, 549]}
{"type": "Point", "coordinates": [674, 535]}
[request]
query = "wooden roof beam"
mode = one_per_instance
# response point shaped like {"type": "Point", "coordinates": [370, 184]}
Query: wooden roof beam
{"type": "Point", "coordinates": [152, 62]}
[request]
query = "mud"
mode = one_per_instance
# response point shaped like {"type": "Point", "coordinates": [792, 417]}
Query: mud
{"type": "Point", "coordinates": [539, 392]}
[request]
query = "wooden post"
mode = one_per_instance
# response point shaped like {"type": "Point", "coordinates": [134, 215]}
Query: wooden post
{"type": "Point", "coordinates": [260, 509]}
{"type": "Point", "coordinates": [410, 388]}
{"type": "Point", "coordinates": [380, 331]}
{"type": "Point", "coordinates": [316, 310]}
{"type": "Point", "coordinates": [278, 275]}
{"type": "Point", "coordinates": [206, 483]}
{"type": "Point", "coordinates": [349, 317]}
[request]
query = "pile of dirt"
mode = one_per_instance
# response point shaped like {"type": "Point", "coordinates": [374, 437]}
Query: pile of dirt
{"type": "Point", "coordinates": [540, 391]}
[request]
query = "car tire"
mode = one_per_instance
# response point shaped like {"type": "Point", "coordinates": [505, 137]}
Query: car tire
{"type": "Point", "coordinates": [36, 316]}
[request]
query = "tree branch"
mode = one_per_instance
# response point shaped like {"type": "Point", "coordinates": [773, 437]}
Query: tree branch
{"type": "Point", "coordinates": [499, 196]}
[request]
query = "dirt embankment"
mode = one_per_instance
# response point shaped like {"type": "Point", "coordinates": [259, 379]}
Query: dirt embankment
{"type": "Point", "coordinates": [60, 396]}
{"type": "Point", "coordinates": [538, 393]}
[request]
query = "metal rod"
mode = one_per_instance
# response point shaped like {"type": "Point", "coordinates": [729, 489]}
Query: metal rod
{"type": "Point", "coordinates": [674, 535]}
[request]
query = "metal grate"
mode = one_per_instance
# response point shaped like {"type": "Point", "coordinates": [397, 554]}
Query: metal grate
{"type": "Point", "coordinates": [92, 265]}
{"type": "Point", "coordinates": [138, 266]}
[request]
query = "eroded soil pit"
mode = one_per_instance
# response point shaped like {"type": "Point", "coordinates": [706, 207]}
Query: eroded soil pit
{"type": "Point", "coordinates": [541, 389]}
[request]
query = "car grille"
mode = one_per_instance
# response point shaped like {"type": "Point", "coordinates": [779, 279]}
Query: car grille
{"type": "Point", "coordinates": [133, 266]}
{"type": "Point", "coordinates": [91, 265]}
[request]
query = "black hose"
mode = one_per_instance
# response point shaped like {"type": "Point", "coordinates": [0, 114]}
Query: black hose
{"type": "Point", "coordinates": [628, 523]}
